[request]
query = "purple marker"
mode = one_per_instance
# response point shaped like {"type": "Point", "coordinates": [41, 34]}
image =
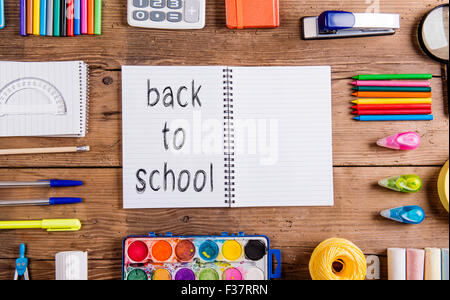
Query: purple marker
{"type": "Point", "coordinates": [185, 274]}
{"type": "Point", "coordinates": [84, 17]}
{"type": "Point", "coordinates": [23, 17]}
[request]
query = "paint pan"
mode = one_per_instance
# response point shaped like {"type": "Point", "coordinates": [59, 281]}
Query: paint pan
{"type": "Point", "coordinates": [161, 251]}
{"type": "Point", "coordinates": [255, 250]}
{"type": "Point", "coordinates": [232, 274]}
{"type": "Point", "coordinates": [137, 251]}
{"type": "Point", "coordinates": [231, 250]}
{"type": "Point", "coordinates": [185, 250]}
{"type": "Point", "coordinates": [225, 257]}
{"type": "Point", "coordinates": [208, 250]}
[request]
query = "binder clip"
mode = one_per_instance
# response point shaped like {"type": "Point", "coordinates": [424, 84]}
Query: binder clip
{"type": "Point", "coordinates": [21, 265]}
{"type": "Point", "coordinates": [342, 24]}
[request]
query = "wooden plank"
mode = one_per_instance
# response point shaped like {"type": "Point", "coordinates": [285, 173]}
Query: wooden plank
{"type": "Point", "coordinates": [296, 230]}
{"type": "Point", "coordinates": [121, 44]}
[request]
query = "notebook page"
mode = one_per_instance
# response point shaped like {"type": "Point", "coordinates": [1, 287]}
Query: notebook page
{"type": "Point", "coordinates": [283, 136]}
{"type": "Point", "coordinates": [41, 99]}
{"type": "Point", "coordinates": [173, 143]}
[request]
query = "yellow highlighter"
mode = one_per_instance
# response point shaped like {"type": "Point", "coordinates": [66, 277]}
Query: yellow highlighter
{"type": "Point", "coordinates": [49, 225]}
{"type": "Point", "coordinates": [392, 101]}
{"type": "Point", "coordinates": [36, 16]}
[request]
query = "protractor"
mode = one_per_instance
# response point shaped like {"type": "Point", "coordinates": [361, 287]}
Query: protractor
{"type": "Point", "coordinates": [55, 102]}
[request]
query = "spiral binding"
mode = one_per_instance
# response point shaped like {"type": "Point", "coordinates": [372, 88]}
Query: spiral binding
{"type": "Point", "coordinates": [228, 135]}
{"type": "Point", "coordinates": [84, 94]}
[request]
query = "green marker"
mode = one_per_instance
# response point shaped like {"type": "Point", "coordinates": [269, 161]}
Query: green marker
{"type": "Point", "coordinates": [392, 76]}
{"type": "Point", "coordinates": [56, 17]}
{"type": "Point", "coordinates": [391, 89]}
{"type": "Point", "coordinates": [403, 183]}
{"type": "Point", "coordinates": [98, 17]}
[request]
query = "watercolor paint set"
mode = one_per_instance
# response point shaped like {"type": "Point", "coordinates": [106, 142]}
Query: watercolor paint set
{"type": "Point", "coordinates": [224, 257]}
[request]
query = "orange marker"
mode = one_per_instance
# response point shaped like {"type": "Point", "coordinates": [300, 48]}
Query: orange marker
{"type": "Point", "coordinates": [393, 94]}
{"type": "Point", "coordinates": [30, 17]}
{"type": "Point", "coordinates": [91, 16]}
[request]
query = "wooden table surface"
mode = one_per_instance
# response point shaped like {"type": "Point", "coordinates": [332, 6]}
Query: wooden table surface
{"type": "Point", "coordinates": [358, 162]}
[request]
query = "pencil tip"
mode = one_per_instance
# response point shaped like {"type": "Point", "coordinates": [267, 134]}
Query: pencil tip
{"type": "Point", "coordinates": [356, 118]}
{"type": "Point", "coordinates": [354, 94]}
{"type": "Point", "coordinates": [353, 83]}
{"type": "Point", "coordinates": [355, 112]}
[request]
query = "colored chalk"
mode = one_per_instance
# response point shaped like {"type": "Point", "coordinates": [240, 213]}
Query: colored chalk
{"type": "Point", "coordinates": [161, 251]}
{"type": "Point", "coordinates": [208, 250]}
{"type": "Point", "coordinates": [185, 274]}
{"type": "Point", "coordinates": [444, 263]}
{"type": "Point", "coordinates": [208, 274]}
{"type": "Point", "coordinates": [415, 262]}
{"type": "Point", "coordinates": [185, 250]}
{"type": "Point", "coordinates": [404, 183]}
{"type": "Point", "coordinates": [432, 264]}
{"type": "Point", "coordinates": [411, 214]}
{"type": "Point", "coordinates": [231, 250]}
{"type": "Point", "coordinates": [137, 274]}
{"type": "Point", "coordinates": [402, 141]}
{"type": "Point", "coordinates": [161, 274]}
{"type": "Point", "coordinates": [232, 274]}
{"type": "Point", "coordinates": [255, 250]}
{"type": "Point", "coordinates": [137, 251]}
{"type": "Point", "coordinates": [396, 263]}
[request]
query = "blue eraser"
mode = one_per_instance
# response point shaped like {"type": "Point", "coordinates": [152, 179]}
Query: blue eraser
{"type": "Point", "coordinates": [56, 201]}
{"type": "Point", "coordinates": [64, 183]}
{"type": "Point", "coordinates": [331, 20]}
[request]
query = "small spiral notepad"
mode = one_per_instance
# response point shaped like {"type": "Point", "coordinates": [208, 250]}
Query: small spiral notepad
{"type": "Point", "coordinates": [226, 136]}
{"type": "Point", "coordinates": [44, 99]}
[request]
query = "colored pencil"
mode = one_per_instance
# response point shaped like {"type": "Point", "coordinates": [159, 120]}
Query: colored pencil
{"type": "Point", "coordinates": [392, 76]}
{"type": "Point", "coordinates": [57, 17]}
{"type": "Point", "coordinates": [43, 20]}
{"type": "Point", "coordinates": [398, 83]}
{"type": "Point", "coordinates": [392, 94]}
{"type": "Point", "coordinates": [49, 17]}
{"type": "Point", "coordinates": [30, 5]}
{"type": "Point", "coordinates": [84, 17]}
{"type": "Point", "coordinates": [44, 150]}
{"type": "Point", "coordinates": [394, 118]}
{"type": "Point", "coordinates": [91, 16]}
{"type": "Point", "coordinates": [98, 17]}
{"type": "Point", "coordinates": [69, 17]}
{"type": "Point", "coordinates": [392, 101]}
{"type": "Point", "coordinates": [391, 89]}
{"type": "Point", "coordinates": [23, 17]}
{"type": "Point", "coordinates": [63, 18]}
{"type": "Point", "coordinates": [392, 106]}
{"type": "Point", "coordinates": [392, 112]}
{"type": "Point", "coordinates": [36, 16]}
{"type": "Point", "coordinates": [77, 17]}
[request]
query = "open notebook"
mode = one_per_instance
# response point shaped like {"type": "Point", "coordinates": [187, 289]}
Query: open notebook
{"type": "Point", "coordinates": [226, 136]}
{"type": "Point", "coordinates": [43, 98]}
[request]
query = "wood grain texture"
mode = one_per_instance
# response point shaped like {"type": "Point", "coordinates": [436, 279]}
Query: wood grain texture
{"type": "Point", "coordinates": [358, 162]}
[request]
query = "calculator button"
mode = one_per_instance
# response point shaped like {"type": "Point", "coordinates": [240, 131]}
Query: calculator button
{"type": "Point", "coordinates": [140, 3]}
{"type": "Point", "coordinates": [192, 11]}
{"type": "Point", "coordinates": [174, 17]}
{"type": "Point", "coordinates": [157, 3]}
{"type": "Point", "coordinates": [157, 16]}
{"type": "Point", "coordinates": [140, 15]}
{"type": "Point", "coordinates": [174, 4]}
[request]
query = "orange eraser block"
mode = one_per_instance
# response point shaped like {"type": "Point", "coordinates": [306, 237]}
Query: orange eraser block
{"type": "Point", "coordinates": [252, 14]}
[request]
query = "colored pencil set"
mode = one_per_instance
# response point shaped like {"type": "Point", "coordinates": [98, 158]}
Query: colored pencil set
{"type": "Point", "coordinates": [395, 97]}
{"type": "Point", "coordinates": [60, 17]}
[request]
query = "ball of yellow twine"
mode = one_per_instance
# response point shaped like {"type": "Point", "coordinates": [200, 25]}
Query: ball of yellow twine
{"type": "Point", "coordinates": [337, 259]}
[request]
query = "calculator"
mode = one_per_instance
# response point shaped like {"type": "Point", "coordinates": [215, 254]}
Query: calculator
{"type": "Point", "coordinates": [167, 14]}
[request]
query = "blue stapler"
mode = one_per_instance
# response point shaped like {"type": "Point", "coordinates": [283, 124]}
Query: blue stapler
{"type": "Point", "coordinates": [2, 14]}
{"type": "Point", "coordinates": [342, 24]}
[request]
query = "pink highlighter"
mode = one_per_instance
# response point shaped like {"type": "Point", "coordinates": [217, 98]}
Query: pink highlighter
{"type": "Point", "coordinates": [402, 141]}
